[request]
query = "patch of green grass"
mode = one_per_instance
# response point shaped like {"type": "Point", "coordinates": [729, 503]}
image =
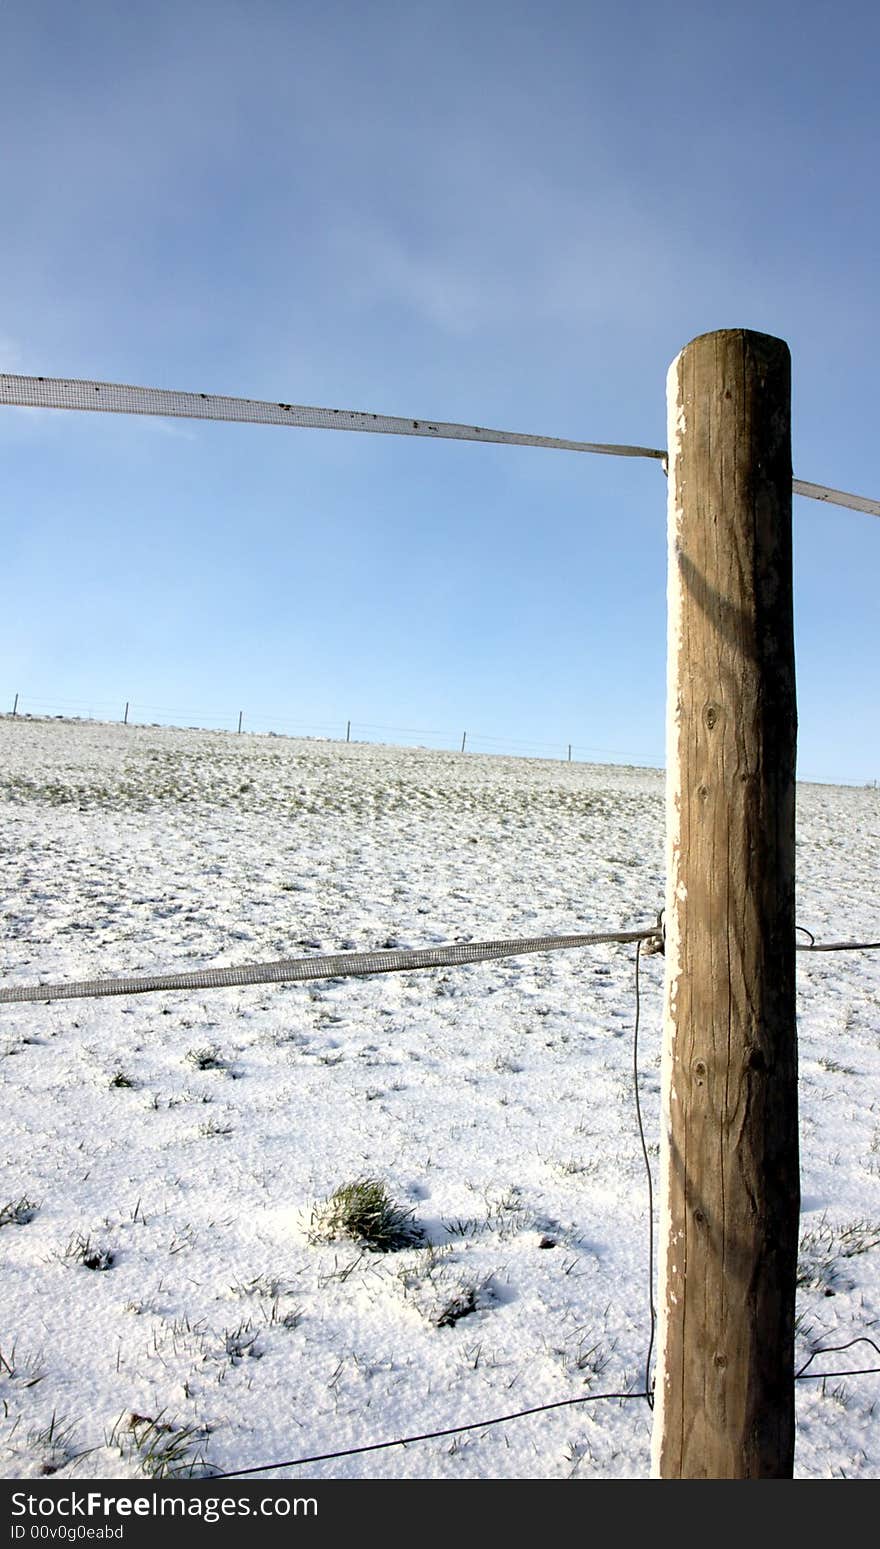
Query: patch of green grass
{"type": "Point", "coordinates": [364, 1212]}
{"type": "Point", "coordinates": [823, 1248]}
{"type": "Point", "coordinates": [160, 1449]}
{"type": "Point", "coordinates": [461, 1226]}
{"type": "Point", "coordinates": [54, 1442]}
{"type": "Point", "coordinates": [858, 1237]}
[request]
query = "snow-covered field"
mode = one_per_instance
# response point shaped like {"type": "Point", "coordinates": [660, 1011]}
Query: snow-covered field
{"type": "Point", "coordinates": [167, 1303]}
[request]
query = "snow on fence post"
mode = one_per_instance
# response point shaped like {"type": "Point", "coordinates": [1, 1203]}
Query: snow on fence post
{"type": "Point", "coordinates": [729, 1195]}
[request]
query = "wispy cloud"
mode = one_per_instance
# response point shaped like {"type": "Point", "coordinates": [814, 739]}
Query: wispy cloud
{"type": "Point", "coordinates": [10, 355]}
{"type": "Point", "coordinates": [173, 428]}
{"type": "Point", "coordinates": [552, 265]}
{"type": "Point", "coordinates": [445, 290]}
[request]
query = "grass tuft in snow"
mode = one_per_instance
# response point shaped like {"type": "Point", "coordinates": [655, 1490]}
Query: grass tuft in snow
{"type": "Point", "coordinates": [823, 1247]}
{"type": "Point", "coordinates": [54, 1444]}
{"type": "Point", "coordinates": [207, 1058]}
{"type": "Point", "coordinates": [18, 1212]}
{"type": "Point", "coordinates": [241, 1342]}
{"type": "Point", "coordinates": [459, 1306]}
{"type": "Point", "coordinates": [858, 1237]}
{"type": "Point", "coordinates": [442, 1291]}
{"type": "Point", "coordinates": [160, 1449]}
{"type": "Point", "coordinates": [364, 1212]}
{"type": "Point", "coordinates": [213, 1127]}
{"type": "Point", "coordinates": [81, 1250]}
{"type": "Point", "coordinates": [28, 1370]}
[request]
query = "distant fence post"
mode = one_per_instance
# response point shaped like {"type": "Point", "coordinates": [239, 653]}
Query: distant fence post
{"type": "Point", "coordinates": [463, 740]}
{"type": "Point", "coordinates": [240, 714]}
{"type": "Point", "coordinates": [125, 717]}
{"type": "Point", "coordinates": [348, 732]}
{"type": "Point", "coordinates": [15, 706]}
{"type": "Point", "coordinates": [729, 1158]}
{"type": "Point", "coordinates": [569, 752]}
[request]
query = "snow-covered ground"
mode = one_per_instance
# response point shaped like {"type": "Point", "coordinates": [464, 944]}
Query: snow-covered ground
{"type": "Point", "coordinates": [167, 1300]}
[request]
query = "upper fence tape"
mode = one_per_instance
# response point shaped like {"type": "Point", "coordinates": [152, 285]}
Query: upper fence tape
{"type": "Point", "coordinates": [836, 497]}
{"type": "Point", "coordinates": [37, 392]}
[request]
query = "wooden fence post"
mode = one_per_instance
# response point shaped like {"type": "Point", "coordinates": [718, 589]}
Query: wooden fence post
{"type": "Point", "coordinates": [463, 740]}
{"type": "Point", "coordinates": [240, 714]}
{"type": "Point", "coordinates": [348, 731]}
{"type": "Point", "coordinates": [730, 1193]}
{"type": "Point", "coordinates": [125, 717]}
{"type": "Point", "coordinates": [15, 706]}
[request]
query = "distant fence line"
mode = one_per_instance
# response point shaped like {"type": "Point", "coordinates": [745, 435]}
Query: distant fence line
{"type": "Point", "coordinates": [135, 713]}
{"type": "Point", "coordinates": [353, 731]}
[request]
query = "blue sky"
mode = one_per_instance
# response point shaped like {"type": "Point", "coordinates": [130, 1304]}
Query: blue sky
{"type": "Point", "coordinates": [507, 214]}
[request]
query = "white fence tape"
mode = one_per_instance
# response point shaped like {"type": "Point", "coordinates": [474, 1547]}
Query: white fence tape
{"type": "Point", "coordinates": [37, 392]}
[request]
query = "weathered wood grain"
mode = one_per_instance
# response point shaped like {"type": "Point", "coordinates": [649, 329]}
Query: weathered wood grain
{"type": "Point", "coordinates": [730, 1177]}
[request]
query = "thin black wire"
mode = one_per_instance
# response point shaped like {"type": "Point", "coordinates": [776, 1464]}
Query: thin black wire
{"type": "Point", "coordinates": [564, 1403]}
{"type": "Point", "coordinates": [404, 1441]}
{"type": "Point", "coordinates": [649, 1392]}
{"type": "Point", "coordinates": [586, 1398]}
{"type": "Point", "coordinates": [835, 946]}
{"type": "Point", "coordinates": [851, 1371]}
{"type": "Point", "coordinates": [861, 1339]}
